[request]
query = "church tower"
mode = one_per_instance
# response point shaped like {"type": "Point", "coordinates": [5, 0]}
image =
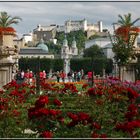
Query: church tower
{"type": "Point", "coordinates": [65, 49]}
{"type": "Point", "coordinates": [74, 47]}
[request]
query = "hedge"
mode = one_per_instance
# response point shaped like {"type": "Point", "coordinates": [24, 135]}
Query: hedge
{"type": "Point", "coordinates": [76, 64]}
{"type": "Point", "coordinates": [45, 64]}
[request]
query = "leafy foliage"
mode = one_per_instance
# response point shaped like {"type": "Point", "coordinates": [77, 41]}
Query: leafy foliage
{"type": "Point", "coordinates": [126, 20]}
{"type": "Point", "coordinates": [6, 20]}
{"type": "Point", "coordinates": [80, 38]}
{"type": "Point", "coordinates": [53, 48]}
{"type": "Point", "coordinates": [94, 51]}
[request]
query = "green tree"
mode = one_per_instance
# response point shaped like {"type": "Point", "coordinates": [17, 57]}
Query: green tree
{"type": "Point", "coordinates": [54, 48]}
{"type": "Point", "coordinates": [94, 52]}
{"type": "Point", "coordinates": [126, 20]}
{"type": "Point", "coordinates": [6, 20]}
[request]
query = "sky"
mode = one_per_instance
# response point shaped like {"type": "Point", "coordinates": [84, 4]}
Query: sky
{"type": "Point", "coordinates": [46, 13]}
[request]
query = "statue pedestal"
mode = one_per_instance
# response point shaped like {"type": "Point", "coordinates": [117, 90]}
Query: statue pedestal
{"type": "Point", "coordinates": [127, 73]}
{"type": "Point", "coordinates": [66, 66]}
{"type": "Point", "coordinates": [5, 71]}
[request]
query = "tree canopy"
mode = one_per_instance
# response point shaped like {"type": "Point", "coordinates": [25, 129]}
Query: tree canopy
{"type": "Point", "coordinates": [94, 51]}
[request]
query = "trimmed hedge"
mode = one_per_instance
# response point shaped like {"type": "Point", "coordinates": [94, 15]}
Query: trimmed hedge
{"type": "Point", "coordinates": [45, 64]}
{"type": "Point", "coordinates": [76, 64]}
{"type": "Point", "coordinates": [97, 65]}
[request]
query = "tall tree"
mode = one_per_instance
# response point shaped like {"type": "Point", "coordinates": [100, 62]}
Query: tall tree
{"type": "Point", "coordinates": [6, 20]}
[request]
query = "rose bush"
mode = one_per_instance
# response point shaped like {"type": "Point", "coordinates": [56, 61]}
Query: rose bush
{"type": "Point", "coordinates": [65, 110]}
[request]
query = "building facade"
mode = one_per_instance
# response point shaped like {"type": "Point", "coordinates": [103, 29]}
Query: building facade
{"type": "Point", "coordinates": [40, 51]}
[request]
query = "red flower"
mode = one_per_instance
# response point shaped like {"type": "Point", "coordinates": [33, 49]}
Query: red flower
{"type": "Point", "coordinates": [72, 124]}
{"type": "Point", "coordinates": [95, 135]}
{"type": "Point", "coordinates": [96, 125]}
{"type": "Point", "coordinates": [85, 86]}
{"type": "Point", "coordinates": [74, 117]}
{"type": "Point", "coordinates": [43, 111]}
{"type": "Point", "coordinates": [14, 93]}
{"type": "Point", "coordinates": [132, 94]}
{"type": "Point", "coordinates": [133, 111]}
{"type": "Point", "coordinates": [128, 126]}
{"type": "Point", "coordinates": [47, 134]}
{"type": "Point", "coordinates": [91, 91]}
{"type": "Point", "coordinates": [42, 101]}
{"type": "Point", "coordinates": [132, 107]}
{"type": "Point", "coordinates": [57, 102]}
{"type": "Point", "coordinates": [83, 116]}
{"type": "Point", "coordinates": [54, 112]}
{"type": "Point", "coordinates": [103, 136]}
{"type": "Point", "coordinates": [16, 113]}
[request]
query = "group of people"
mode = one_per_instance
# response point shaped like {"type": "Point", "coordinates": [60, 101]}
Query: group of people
{"type": "Point", "coordinates": [71, 76]}
{"type": "Point", "coordinates": [29, 77]}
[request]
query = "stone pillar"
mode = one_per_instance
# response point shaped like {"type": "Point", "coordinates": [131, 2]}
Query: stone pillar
{"type": "Point", "coordinates": [6, 68]}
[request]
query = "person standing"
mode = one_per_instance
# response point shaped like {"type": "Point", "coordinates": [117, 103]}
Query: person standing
{"type": "Point", "coordinates": [69, 76]}
{"type": "Point", "coordinates": [30, 77]}
{"type": "Point", "coordinates": [58, 76]}
{"type": "Point", "coordinates": [63, 75]}
{"type": "Point", "coordinates": [82, 74]}
{"type": "Point", "coordinates": [19, 80]}
{"type": "Point", "coordinates": [26, 75]}
{"type": "Point", "coordinates": [44, 75]}
{"type": "Point", "coordinates": [78, 76]}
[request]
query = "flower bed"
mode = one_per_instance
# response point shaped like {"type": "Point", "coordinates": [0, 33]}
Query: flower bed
{"type": "Point", "coordinates": [68, 110]}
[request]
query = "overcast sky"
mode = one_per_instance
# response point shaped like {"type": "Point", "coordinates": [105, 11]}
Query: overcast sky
{"type": "Point", "coordinates": [45, 13]}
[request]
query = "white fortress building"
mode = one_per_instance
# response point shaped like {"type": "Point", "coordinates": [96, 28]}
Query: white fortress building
{"type": "Point", "coordinates": [75, 25]}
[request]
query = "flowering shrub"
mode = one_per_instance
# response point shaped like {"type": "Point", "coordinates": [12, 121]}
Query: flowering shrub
{"type": "Point", "coordinates": [69, 110]}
